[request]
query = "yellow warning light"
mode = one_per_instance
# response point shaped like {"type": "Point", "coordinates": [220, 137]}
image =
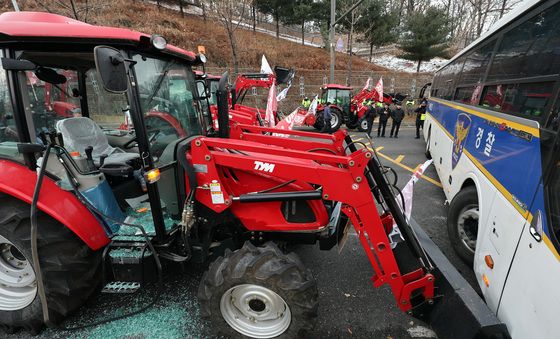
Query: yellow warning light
{"type": "Point", "coordinates": [74, 154]}
{"type": "Point", "coordinates": [152, 175]}
{"type": "Point", "coordinates": [201, 49]}
{"type": "Point", "coordinates": [485, 279]}
{"type": "Point", "coordinates": [489, 261]}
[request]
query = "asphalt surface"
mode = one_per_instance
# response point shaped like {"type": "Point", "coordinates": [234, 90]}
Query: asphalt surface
{"type": "Point", "coordinates": [349, 305]}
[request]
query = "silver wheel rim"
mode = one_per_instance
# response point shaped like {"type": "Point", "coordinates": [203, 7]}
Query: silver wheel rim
{"type": "Point", "coordinates": [364, 124]}
{"type": "Point", "coordinates": [334, 120]}
{"type": "Point", "coordinates": [467, 226]}
{"type": "Point", "coordinates": [18, 285]}
{"type": "Point", "coordinates": [255, 311]}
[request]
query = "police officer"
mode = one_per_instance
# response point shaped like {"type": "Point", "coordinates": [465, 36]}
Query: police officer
{"type": "Point", "coordinates": [420, 116]}
{"type": "Point", "coordinates": [370, 116]}
{"type": "Point", "coordinates": [397, 115]}
{"type": "Point", "coordinates": [384, 115]}
{"type": "Point", "coordinates": [306, 102]}
{"type": "Point", "coordinates": [327, 116]}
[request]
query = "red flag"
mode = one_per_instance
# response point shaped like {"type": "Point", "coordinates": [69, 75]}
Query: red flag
{"type": "Point", "coordinates": [271, 106]}
{"type": "Point", "coordinates": [379, 89]}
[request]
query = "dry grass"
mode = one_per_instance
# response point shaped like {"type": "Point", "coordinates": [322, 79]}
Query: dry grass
{"type": "Point", "coordinates": [191, 31]}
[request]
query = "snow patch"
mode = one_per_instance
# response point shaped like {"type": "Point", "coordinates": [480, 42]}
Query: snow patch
{"type": "Point", "coordinates": [403, 65]}
{"type": "Point", "coordinates": [421, 332]}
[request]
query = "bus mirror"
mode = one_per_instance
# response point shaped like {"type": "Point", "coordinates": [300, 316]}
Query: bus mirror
{"type": "Point", "coordinates": [111, 69]}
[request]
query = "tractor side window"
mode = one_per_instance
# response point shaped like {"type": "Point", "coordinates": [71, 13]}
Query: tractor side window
{"type": "Point", "coordinates": [106, 109]}
{"type": "Point", "coordinates": [8, 131]}
{"type": "Point", "coordinates": [166, 90]}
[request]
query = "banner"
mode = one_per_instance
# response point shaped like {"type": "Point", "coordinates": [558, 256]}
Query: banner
{"type": "Point", "coordinates": [407, 193]}
{"type": "Point", "coordinates": [295, 118]}
{"type": "Point", "coordinates": [379, 89]}
{"type": "Point", "coordinates": [265, 67]}
{"type": "Point", "coordinates": [271, 106]}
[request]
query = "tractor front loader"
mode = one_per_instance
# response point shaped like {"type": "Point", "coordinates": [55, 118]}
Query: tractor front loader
{"type": "Point", "coordinates": [85, 203]}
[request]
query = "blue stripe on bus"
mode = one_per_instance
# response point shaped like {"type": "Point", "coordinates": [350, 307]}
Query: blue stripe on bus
{"type": "Point", "coordinates": [513, 160]}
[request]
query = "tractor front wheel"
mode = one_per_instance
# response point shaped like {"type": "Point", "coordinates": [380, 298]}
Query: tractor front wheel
{"type": "Point", "coordinates": [259, 292]}
{"type": "Point", "coordinates": [70, 269]}
{"type": "Point", "coordinates": [363, 124]}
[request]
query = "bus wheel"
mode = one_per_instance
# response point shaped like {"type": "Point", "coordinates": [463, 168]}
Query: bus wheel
{"type": "Point", "coordinates": [71, 271]}
{"type": "Point", "coordinates": [259, 292]}
{"type": "Point", "coordinates": [462, 223]}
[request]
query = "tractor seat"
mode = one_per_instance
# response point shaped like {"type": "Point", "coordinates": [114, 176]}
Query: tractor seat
{"type": "Point", "coordinates": [81, 132]}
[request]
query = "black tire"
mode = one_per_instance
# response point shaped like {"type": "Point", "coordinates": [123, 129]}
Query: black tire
{"type": "Point", "coordinates": [268, 267]}
{"type": "Point", "coordinates": [462, 210]}
{"type": "Point", "coordinates": [363, 125]}
{"type": "Point", "coordinates": [428, 153]}
{"type": "Point", "coordinates": [71, 271]}
{"type": "Point", "coordinates": [339, 119]}
{"type": "Point", "coordinates": [352, 122]}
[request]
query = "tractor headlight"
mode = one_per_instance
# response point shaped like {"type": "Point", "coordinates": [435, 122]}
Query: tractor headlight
{"type": "Point", "coordinates": [158, 42]}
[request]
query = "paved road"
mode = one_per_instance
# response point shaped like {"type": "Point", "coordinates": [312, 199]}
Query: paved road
{"type": "Point", "coordinates": [349, 305]}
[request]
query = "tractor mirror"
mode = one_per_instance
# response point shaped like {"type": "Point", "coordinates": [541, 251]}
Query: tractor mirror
{"type": "Point", "coordinates": [111, 69]}
{"type": "Point", "coordinates": [50, 75]}
{"type": "Point", "coordinates": [18, 65]}
{"type": "Point", "coordinates": [202, 89]}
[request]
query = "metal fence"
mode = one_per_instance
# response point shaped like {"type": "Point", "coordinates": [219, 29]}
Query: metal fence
{"type": "Point", "coordinates": [308, 83]}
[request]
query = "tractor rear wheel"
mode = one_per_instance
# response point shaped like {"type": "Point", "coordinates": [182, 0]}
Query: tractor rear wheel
{"type": "Point", "coordinates": [336, 120]}
{"type": "Point", "coordinates": [259, 292]}
{"type": "Point", "coordinates": [71, 271]}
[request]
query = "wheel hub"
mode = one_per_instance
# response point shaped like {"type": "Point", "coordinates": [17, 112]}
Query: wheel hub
{"type": "Point", "coordinates": [18, 285]}
{"type": "Point", "coordinates": [255, 311]}
{"type": "Point", "coordinates": [468, 226]}
{"type": "Point", "coordinates": [364, 124]}
{"type": "Point", "coordinates": [334, 120]}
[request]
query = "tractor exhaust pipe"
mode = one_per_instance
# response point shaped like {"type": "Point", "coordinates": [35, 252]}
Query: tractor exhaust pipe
{"type": "Point", "coordinates": [223, 106]}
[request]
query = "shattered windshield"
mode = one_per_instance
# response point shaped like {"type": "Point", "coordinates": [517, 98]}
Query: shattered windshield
{"type": "Point", "coordinates": [167, 91]}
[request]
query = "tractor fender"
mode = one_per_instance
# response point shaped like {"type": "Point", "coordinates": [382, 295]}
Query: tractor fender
{"type": "Point", "coordinates": [19, 181]}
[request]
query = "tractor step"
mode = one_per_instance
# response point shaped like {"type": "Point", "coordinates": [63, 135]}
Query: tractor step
{"type": "Point", "coordinates": [121, 287]}
{"type": "Point", "coordinates": [128, 265]}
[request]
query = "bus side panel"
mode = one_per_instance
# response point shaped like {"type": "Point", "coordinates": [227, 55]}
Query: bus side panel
{"type": "Point", "coordinates": [531, 291]}
{"type": "Point", "coordinates": [506, 162]}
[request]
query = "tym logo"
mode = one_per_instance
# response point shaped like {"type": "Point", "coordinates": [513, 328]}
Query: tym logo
{"type": "Point", "coordinates": [264, 166]}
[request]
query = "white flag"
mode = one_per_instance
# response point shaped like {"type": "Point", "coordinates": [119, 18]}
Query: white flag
{"type": "Point", "coordinates": [366, 87]}
{"type": "Point", "coordinates": [282, 95]}
{"type": "Point", "coordinates": [265, 67]}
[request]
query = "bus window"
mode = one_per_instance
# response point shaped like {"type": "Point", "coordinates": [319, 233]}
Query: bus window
{"type": "Point", "coordinates": [526, 100]}
{"type": "Point", "coordinates": [530, 49]}
{"type": "Point", "coordinates": [476, 64]}
{"type": "Point", "coordinates": [467, 95]}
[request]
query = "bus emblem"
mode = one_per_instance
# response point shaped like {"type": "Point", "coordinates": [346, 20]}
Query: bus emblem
{"type": "Point", "coordinates": [462, 127]}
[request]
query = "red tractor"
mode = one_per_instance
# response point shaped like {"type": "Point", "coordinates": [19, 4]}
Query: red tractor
{"type": "Point", "coordinates": [347, 108]}
{"type": "Point", "coordinates": [84, 203]}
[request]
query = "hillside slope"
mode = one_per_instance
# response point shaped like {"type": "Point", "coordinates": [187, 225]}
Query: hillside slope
{"type": "Point", "coordinates": [191, 31]}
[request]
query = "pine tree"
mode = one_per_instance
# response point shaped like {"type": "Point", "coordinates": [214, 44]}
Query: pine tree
{"type": "Point", "coordinates": [276, 8]}
{"type": "Point", "coordinates": [379, 27]}
{"type": "Point", "coordinates": [426, 36]}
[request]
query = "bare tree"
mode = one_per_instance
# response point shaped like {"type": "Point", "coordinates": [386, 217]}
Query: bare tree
{"type": "Point", "coordinates": [230, 14]}
{"type": "Point", "coordinates": [79, 10]}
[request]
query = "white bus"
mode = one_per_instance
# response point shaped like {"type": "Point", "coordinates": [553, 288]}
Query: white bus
{"type": "Point", "coordinates": [492, 129]}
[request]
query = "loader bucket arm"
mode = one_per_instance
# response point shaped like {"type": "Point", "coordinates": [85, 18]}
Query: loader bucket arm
{"type": "Point", "coordinates": [341, 178]}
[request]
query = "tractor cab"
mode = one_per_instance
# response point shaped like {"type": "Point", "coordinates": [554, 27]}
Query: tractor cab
{"type": "Point", "coordinates": [110, 143]}
{"type": "Point", "coordinates": [337, 95]}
